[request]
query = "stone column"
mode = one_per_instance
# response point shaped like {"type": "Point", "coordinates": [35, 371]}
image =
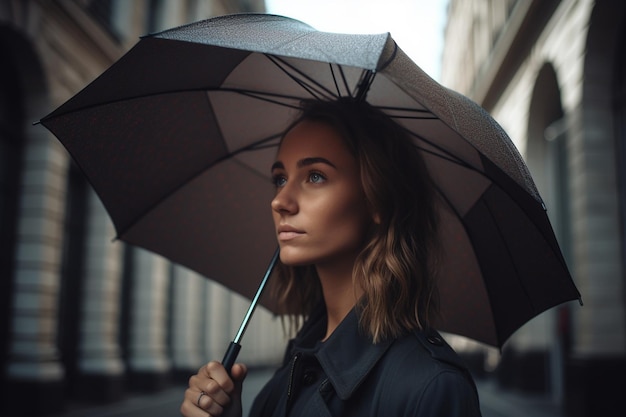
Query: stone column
{"type": "Point", "coordinates": [147, 351]}
{"type": "Point", "coordinates": [34, 372]}
{"type": "Point", "coordinates": [526, 357]}
{"type": "Point", "coordinates": [598, 356]}
{"type": "Point", "coordinates": [217, 327]}
{"type": "Point", "coordinates": [170, 14]}
{"type": "Point", "coordinates": [128, 19]}
{"type": "Point", "coordinates": [263, 343]}
{"type": "Point", "coordinates": [101, 369]}
{"type": "Point", "coordinates": [272, 340]}
{"type": "Point", "coordinates": [188, 299]}
{"type": "Point", "coordinates": [238, 307]}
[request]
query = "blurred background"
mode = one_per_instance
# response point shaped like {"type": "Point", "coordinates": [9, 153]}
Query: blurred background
{"type": "Point", "coordinates": [85, 319]}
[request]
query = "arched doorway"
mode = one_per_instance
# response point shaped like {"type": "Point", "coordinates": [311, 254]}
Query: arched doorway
{"type": "Point", "coordinates": [533, 365]}
{"type": "Point", "coordinates": [547, 159]}
{"type": "Point", "coordinates": [546, 152]}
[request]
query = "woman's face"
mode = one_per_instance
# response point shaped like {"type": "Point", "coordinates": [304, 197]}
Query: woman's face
{"type": "Point", "coordinates": [319, 210]}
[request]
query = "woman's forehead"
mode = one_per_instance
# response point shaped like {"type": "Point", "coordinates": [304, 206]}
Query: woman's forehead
{"type": "Point", "coordinates": [312, 136]}
{"type": "Point", "coordinates": [311, 139]}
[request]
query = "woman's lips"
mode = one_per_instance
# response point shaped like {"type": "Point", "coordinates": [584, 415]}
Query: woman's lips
{"type": "Point", "coordinates": [286, 233]}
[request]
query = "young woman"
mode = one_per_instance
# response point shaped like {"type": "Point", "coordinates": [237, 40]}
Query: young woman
{"type": "Point", "coordinates": [355, 217]}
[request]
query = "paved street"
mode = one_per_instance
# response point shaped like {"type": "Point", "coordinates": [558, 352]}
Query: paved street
{"type": "Point", "coordinates": [499, 403]}
{"type": "Point", "coordinates": [494, 402]}
{"type": "Point", "coordinates": [165, 403]}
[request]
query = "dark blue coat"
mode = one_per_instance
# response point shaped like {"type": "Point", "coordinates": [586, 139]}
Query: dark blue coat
{"type": "Point", "coordinates": [348, 375]}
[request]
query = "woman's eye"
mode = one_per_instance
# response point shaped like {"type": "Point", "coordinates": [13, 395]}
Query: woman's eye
{"type": "Point", "coordinates": [279, 181]}
{"type": "Point", "coordinates": [316, 178]}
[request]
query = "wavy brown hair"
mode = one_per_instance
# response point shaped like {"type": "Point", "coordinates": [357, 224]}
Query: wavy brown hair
{"type": "Point", "coordinates": [396, 267]}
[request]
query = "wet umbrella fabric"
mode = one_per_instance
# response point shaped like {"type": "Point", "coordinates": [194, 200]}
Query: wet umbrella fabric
{"type": "Point", "coordinates": [177, 138]}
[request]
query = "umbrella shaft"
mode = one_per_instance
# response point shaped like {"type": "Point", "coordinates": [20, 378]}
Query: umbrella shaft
{"type": "Point", "coordinates": [233, 349]}
{"type": "Point", "coordinates": [255, 300]}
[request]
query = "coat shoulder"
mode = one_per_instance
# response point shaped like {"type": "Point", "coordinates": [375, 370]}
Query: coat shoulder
{"type": "Point", "coordinates": [422, 372]}
{"type": "Point", "coordinates": [418, 359]}
{"type": "Point", "coordinates": [425, 348]}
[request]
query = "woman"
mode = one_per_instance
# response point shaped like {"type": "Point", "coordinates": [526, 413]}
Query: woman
{"type": "Point", "coordinates": [356, 222]}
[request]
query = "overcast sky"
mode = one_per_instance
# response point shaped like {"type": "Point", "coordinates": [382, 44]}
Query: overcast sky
{"type": "Point", "coordinates": [416, 25]}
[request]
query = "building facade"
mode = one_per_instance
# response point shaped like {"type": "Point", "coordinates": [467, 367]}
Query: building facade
{"type": "Point", "coordinates": [553, 74]}
{"type": "Point", "coordinates": [82, 316]}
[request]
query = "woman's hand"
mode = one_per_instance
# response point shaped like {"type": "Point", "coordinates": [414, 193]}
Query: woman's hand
{"type": "Point", "coordinates": [215, 392]}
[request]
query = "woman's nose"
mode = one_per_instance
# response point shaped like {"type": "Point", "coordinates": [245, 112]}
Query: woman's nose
{"type": "Point", "coordinates": [285, 202]}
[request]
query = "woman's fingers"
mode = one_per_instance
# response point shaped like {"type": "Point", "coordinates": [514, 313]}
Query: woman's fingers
{"type": "Point", "coordinates": [238, 374]}
{"type": "Point", "coordinates": [190, 408]}
{"type": "Point", "coordinates": [212, 390]}
{"type": "Point", "coordinates": [209, 404]}
{"type": "Point", "coordinates": [215, 371]}
{"type": "Point", "coordinates": [215, 396]}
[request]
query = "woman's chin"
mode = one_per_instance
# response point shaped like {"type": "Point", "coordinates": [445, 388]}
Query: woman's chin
{"type": "Point", "coordinates": [291, 257]}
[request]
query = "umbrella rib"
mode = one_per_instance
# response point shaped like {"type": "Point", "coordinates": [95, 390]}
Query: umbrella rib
{"type": "Point", "coordinates": [163, 93]}
{"type": "Point", "coordinates": [458, 215]}
{"type": "Point", "coordinates": [396, 112]}
{"type": "Point", "coordinates": [259, 144]}
{"type": "Point", "coordinates": [391, 58]}
{"type": "Point", "coordinates": [416, 118]}
{"type": "Point", "coordinates": [260, 95]}
{"type": "Point", "coordinates": [332, 72]}
{"type": "Point", "coordinates": [366, 80]}
{"type": "Point", "coordinates": [267, 97]}
{"type": "Point", "coordinates": [345, 81]}
{"type": "Point", "coordinates": [427, 114]}
{"type": "Point", "coordinates": [445, 154]}
{"type": "Point", "coordinates": [494, 183]}
{"type": "Point", "coordinates": [316, 89]}
{"type": "Point", "coordinates": [448, 157]}
{"type": "Point", "coordinates": [346, 85]}
{"type": "Point", "coordinates": [517, 274]}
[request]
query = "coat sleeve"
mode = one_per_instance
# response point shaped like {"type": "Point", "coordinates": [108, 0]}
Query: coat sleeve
{"type": "Point", "coordinates": [449, 394]}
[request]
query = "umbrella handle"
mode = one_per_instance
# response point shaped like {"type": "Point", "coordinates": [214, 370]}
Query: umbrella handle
{"type": "Point", "coordinates": [234, 347]}
{"type": "Point", "coordinates": [231, 356]}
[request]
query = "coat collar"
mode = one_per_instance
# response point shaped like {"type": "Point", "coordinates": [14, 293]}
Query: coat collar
{"type": "Point", "coordinates": [348, 356]}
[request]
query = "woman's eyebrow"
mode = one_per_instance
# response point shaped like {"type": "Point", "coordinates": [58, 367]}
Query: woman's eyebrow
{"type": "Point", "coordinates": [314, 160]}
{"type": "Point", "coordinates": [277, 165]}
{"type": "Point", "coordinates": [305, 162]}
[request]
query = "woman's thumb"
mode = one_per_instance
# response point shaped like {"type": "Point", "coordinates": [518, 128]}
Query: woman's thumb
{"type": "Point", "coordinates": [238, 373]}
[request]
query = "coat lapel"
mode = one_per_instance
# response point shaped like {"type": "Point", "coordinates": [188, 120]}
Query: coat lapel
{"type": "Point", "coordinates": [348, 356]}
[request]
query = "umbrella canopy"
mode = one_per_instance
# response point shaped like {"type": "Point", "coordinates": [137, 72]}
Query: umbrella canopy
{"type": "Point", "coordinates": [178, 136]}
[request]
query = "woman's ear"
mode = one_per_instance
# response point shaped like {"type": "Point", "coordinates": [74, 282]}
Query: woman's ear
{"type": "Point", "coordinates": [376, 218]}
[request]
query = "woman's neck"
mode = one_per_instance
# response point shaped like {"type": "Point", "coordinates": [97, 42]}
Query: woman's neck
{"type": "Point", "coordinates": [339, 292]}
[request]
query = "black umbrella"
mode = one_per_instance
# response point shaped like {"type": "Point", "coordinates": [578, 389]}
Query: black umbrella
{"type": "Point", "coordinates": [178, 136]}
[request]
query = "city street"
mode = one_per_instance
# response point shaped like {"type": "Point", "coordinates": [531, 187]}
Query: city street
{"type": "Point", "coordinates": [494, 403]}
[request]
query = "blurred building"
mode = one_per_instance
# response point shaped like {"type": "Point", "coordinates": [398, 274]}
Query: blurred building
{"type": "Point", "coordinates": [553, 74]}
{"type": "Point", "coordinates": [84, 318]}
